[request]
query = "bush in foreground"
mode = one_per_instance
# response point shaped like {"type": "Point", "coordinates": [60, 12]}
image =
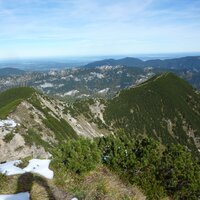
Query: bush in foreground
{"type": "Point", "coordinates": [77, 156]}
{"type": "Point", "coordinates": [160, 171]}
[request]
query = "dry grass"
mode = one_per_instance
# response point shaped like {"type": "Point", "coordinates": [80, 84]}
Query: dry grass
{"type": "Point", "coordinates": [99, 184]}
{"type": "Point", "coordinates": [39, 187]}
{"type": "Point", "coordinates": [8, 185]}
{"type": "Point", "coordinates": [109, 186]}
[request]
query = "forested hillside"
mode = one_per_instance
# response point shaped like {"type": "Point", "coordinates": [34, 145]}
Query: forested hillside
{"type": "Point", "coordinates": [165, 107]}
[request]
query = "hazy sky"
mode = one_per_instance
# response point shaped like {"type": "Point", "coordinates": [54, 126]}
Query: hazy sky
{"type": "Point", "coordinates": [98, 27]}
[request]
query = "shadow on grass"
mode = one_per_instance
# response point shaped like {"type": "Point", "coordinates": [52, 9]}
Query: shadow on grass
{"type": "Point", "coordinates": [26, 181]}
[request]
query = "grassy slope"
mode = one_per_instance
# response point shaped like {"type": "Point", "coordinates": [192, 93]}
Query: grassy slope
{"type": "Point", "coordinates": [146, 109]}
{"type": "Point", "coordinates": [11, 98]}
{"type": "Point", "coordinates": [60, 127]}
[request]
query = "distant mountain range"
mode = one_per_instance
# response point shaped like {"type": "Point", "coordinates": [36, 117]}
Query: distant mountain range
{"type": "Point", "coordinates": [189, 62]}
{"type": "Point", "coordinates": [4, 72]}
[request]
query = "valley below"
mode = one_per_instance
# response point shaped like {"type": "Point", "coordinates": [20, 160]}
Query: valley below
{"type": "Point", "coordinates": [108, 130]}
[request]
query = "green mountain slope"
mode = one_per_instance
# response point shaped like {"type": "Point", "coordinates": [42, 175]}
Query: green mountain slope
{"type": "Point", "coordinates": [165, 107]}
{"type": "Point", "coordinates": [39, 123]}
{"type": "Point", "coordinates": [10, 99]}
{"type": "Point", "coordinates": [59, 126]}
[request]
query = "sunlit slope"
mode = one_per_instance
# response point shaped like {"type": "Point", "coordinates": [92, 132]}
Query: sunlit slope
{"type": "Point", "coordinates": [11, 98]}
{"type": "Point", "coordinates": [39, 123]}
{"type": "Point", "coordinates": [165, 107]}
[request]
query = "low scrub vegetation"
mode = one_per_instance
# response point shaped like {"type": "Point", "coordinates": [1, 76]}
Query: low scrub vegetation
{"type": "Point", "coordinates": [165, 108]}
{"type": "Point", "coordinates": [160, 171]}
{"type": "Point", "coordinates": [77, 156]}
{"type": "Point", "coordinates": [11, 98]}
{"type": "Point", "coordinates": [60, 127]}
{"type": "Point", "coordinates": [8, 137]}
{"type": "Point", "coordinates": [33, 137]}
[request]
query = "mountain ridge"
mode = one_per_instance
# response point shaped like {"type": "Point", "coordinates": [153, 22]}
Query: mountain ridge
{"type": "Point", "coordinates": [165, 107]}
{"type": "Point", "coordinates": [174, 63]}
{"type": "Point", "coordinates": [40, 122]}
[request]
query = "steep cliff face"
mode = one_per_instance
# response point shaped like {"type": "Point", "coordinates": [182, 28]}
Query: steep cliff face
{"type": "Point", "coordinates": [40, 123]}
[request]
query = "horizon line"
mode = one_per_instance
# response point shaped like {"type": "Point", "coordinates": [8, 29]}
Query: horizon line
{"type": "Point", "coordinates": [134, 55]}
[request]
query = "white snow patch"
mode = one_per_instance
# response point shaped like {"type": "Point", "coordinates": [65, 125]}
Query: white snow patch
{"type": "Point", "coordinates": [8, 122]}
{"type": "Point", "coordinates": [61, 85]}
{"type": "Point", "coordinates": [10, 168]}
{"type": "Point", "coordinates": [120, 72]}
{"type": "Point", "coordinates": [105, 67]}
{"type": "Point", "coordinates": [104, 91]}
{"type": "Point", "coordinates": [71, 93]}
{"type": "Point", "coordinates": [98, 75]}
{"type": "Point", "coordinates": [46, 85]}
{"type": "Point", "coordinates": [38, 166]}
{"type": "Point", "coordinates": [19, 196]}
{"type": "Point", "coordinates": [141, 80]}
{"type": "Point", "coordinates": [53, 72]}
{"type": "Point", "coordinates": [77, 79]}
{"type": "Point", "coordinates": [83, 95]}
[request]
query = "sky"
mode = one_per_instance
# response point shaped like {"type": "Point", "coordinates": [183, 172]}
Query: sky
{"type": "Point", "coordinates": [46, 28]}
